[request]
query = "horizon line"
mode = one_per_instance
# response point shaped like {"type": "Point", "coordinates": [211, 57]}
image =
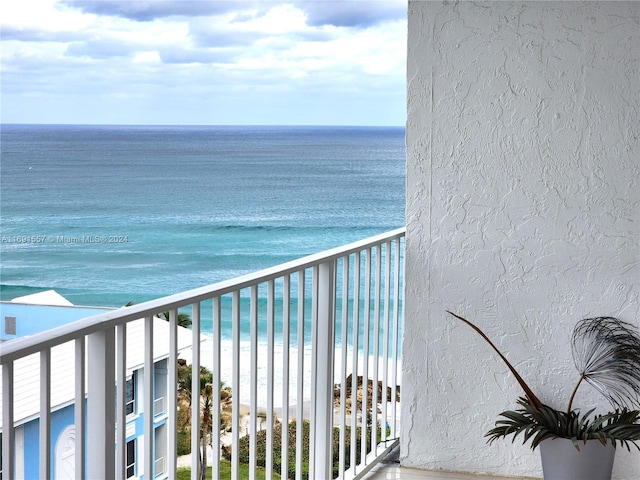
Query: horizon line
{"type": "Point", "coordinates": [199, 125]}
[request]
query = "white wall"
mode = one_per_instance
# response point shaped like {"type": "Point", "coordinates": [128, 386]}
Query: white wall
{"type": "Point", "coordinates": [523, 201]}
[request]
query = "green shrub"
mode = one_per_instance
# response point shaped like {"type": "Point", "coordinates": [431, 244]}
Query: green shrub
{"type": "Point", "coordinates": [261, 449]}
{"type": "Point", "coordinates": [184, 442]}
{"type": "Point", "coordinates": [184, 473]}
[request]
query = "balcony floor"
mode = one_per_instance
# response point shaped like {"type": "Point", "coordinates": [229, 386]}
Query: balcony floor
{"type": "Point", "coordinates": [386, 471]}
{"type": "Point", "coordinates": [390, 469]}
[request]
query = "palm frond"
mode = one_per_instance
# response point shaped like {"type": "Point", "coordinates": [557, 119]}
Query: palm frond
{"type": "Point", "coordinates": [606, 352]}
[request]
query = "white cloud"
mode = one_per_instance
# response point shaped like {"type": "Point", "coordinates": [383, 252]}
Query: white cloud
{"type": "Point", "coordinates": [41, 15]}
{"type": "Point", "coordinates": [234, 57]}
{"type": "Point", "coordinates": [146, 57]}
{"type": "Point", "coordinates": [277, 20]}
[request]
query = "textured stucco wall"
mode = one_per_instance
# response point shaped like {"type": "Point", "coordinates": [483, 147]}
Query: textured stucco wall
{"type": "Point", "coordinates": [523, 201]}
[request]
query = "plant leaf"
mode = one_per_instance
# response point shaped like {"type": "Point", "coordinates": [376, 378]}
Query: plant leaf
{"type": "Point", "coordinates": [606, 352]}
{"type": "Point", "coordinates": [539, 424]}
{"type": "Point", "coordinates": [527, 390]}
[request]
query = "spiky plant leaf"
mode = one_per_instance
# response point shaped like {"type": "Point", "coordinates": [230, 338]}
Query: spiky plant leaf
{"type": "Point", "coordinates": [527, 390]}
{"type": "Point", "coordinates": [537, 424]}
{"type": "Point", "coordinates": [606, 352]}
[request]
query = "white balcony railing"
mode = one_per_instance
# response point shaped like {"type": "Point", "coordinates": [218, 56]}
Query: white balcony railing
{"type": "Point", "coordinates": [330, 319]}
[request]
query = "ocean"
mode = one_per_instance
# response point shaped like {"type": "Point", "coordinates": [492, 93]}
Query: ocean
{"type": "Point", "coordinates": [107, 215]}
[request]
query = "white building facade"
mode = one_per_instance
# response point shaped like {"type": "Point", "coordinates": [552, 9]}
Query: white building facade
{"type": "Point", "coordinates": [26, 316]}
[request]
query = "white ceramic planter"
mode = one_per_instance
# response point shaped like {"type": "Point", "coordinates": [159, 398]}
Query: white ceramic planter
{"type": "Point", "coordinates": [561, 460]}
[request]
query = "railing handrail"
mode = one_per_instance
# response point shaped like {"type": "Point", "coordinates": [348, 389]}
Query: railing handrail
{"type": "Point", "coordinates": [24, 346]}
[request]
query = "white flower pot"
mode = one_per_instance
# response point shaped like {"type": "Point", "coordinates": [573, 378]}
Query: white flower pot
{"type": "Point", "coordinates": [561, 460]}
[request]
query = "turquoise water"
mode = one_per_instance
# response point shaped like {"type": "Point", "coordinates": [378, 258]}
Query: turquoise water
{"type": "Point", "coordinates": [106, 215]}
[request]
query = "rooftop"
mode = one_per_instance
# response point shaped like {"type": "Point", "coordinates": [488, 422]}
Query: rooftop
{"type": "Point", "coordinates": [30, 318]}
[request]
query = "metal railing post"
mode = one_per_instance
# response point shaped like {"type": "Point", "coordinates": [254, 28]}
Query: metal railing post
{"type": "Point", "coordinates": [324, 375]}
{"type": "Point", "coordinates": [101, 411]}
{"type": "Point", "coordinates": [9, 433]}
{"type": "Point", "coordinates": [196, 466]}
{"type": "Point", "coordinates": [45, 413]}
{"type": "Point", "coordinates": [172, 396]}
{"type": "Point", "coordinates": [121, 401]}
{"type": "Point", "coordinates": [148, 382]}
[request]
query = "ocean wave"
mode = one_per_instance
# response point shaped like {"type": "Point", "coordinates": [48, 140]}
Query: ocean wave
{"type": "Point", "coordinates": [196, 205]}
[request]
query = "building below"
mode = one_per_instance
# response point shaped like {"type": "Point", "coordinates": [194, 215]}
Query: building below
{"type": "Point", "coordinates": [46, 310]}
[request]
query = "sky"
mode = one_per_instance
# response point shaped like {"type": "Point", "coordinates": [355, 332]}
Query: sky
{"type": "Point", "coordinates": [202, 62]}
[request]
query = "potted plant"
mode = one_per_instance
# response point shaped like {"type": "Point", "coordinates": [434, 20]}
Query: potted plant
{"type": "Point", "coordinates": [576, 445]}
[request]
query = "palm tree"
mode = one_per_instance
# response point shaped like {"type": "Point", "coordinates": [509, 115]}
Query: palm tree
{"type": "Point", "coordinates": [206, 405]}
{"type": "Point", "coordinates": [184, 379]}
{"type": "Point", "coordinates": [206, 427]}
{"type": "Point", "coordinates": [184, 319]}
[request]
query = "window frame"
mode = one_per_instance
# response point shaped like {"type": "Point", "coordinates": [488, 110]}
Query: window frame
{"type": "Point", "coordinates": [130, 395]}
{"type": "Point", "coordinates": [131, 459]}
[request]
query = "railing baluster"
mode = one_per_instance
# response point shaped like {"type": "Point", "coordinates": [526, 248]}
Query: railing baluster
{"type": "Point", "coordinates": [8, 431]}
{"type": "Point", "coordinates": [100, 405]}
{"type": "Point", "coordinates": [286, 345]}
{"type": "Point", "coordinates": [354, 369]}
{"type": "Point", "coordinates": [235, 429]}
{"type": "Point", "coordinates": [149, 434]}
{"type": "Point", "coordinates": [215, 470]}
{"type": "Point", "coordinates": [343, 365]}
{"type": "Point", "coordinates": [121, 394]}
{"type": "Point", "coordinates": [270, 382]}
{"type": "Point", "coordinates": [396, 321]}
{"type": "Point", "coordinates": [300, 380]}
{"type": "Point", "coordinates": [385, 336]}
{"type": "Point", "coordinates": [253, 396]}
{"type": "Point", "coordinates": [45, 413]}
{"type": "Point", "coordinates": [196, 466]}
{"type": "Point", "coordinates": [172, 395]}
{"type": "Point", "coordinates": [365, 360]}
{"type": "Point", "coordinates": [314, 369]}
{"type": "Point", "coordinates": [80, 408]}
{"type": "Point", "coordinates": [376, 351]}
